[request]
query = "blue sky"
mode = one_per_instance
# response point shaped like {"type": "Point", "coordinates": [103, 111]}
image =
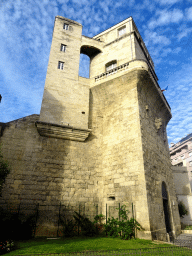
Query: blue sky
{"type": "Point", "coordinates": [25, 39]}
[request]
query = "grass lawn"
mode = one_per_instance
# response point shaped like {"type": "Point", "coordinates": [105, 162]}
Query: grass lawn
{"type": "Point", "coordinates": [188, 228]}
{"type": "Point", "coordinates": [77, 244]}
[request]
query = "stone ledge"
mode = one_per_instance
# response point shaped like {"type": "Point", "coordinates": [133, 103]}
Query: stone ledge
{"type": "Point", "coordinates": [61, 131]}
{"type": "Point", "coordinates": [186, 231]}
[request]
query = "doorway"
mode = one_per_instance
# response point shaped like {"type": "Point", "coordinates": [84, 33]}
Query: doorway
{"type": "Point", "coordinates": [166, 208]}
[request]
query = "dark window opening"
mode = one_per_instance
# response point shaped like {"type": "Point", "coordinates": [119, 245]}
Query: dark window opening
{"type": "Point", "coordinates": [111, 198]}
{"type": "Point", "coordinates": [66, 26]}
{"type": "Point", "coordinates": [63, 48]}
{"type": "Point", "coordinates": [60, 65]}
{"type": "Point", "coordinates": [166, 207]}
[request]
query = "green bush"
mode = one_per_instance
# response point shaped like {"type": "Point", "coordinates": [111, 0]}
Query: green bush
{"type": "Point", "coordinates": [124, 228]}
{"type": "Point", "coordinates": [98, 222]}
{"type": "Point", "coordinates": [182, 209]}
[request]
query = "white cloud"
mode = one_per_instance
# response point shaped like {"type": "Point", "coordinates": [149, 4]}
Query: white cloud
{"type": "Point", "coordinates": [173, 62]}
{"type": "Point", "coordinates": [165, 52]}
{"type": "Point", "coordinates": [189, 13]}
{"type": "Point", "coordinates": [155, 38]}
{"type": "Point", "coordinates": [179, 97]}
{"type": "Point", "coordinates": [184, 33]}
{"type": "Point", "coordinates": [176, 50]}
{"type": "Point", "coordinates": [165, 17]}
{"type": "Point", "coordinates": [168, 2]}
{"type": "Point", "coordinates": [104, 6]}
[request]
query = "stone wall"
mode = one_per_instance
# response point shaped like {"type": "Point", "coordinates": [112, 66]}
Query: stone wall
{"type": "Point", "coordinates": [154, 116]}
{"type": "Point", "coordinates": [124, 160]}
{"type": "Point", "coordinates": [48, 170]}
{"type": "Point", "coordinates": [123, 175]}
{"type": "Point", "coordinates": [65, 99]}
{"type": "Point", "coordinates": [183, 191]}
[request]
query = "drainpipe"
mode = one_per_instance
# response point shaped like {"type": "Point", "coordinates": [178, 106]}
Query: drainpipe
{"type": "Point", "coordinates": [131, 40]}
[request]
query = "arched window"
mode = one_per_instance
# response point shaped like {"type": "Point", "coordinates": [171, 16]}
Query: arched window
{"type": "Point", "coordinates": [110, 65]}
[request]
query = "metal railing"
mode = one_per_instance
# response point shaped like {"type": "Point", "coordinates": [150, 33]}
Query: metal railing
{"type": "Point", "coordinates": [53, 214]}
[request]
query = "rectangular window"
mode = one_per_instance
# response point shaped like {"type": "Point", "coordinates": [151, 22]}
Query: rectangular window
{"type": "Point", "coordinates": [60, 65]}
{"type": "Point", "coordinates": [63, 47]}
{"type": "Point", "coordinates": [190, 153]}
{"type": "Point", "coordinates": [190, 163]}
{"type": "Point", "coordinates": [122, 31]}
{"type": "Point", "coordinates": [65, 26]}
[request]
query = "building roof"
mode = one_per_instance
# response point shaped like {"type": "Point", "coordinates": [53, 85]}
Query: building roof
{"type": "Point", "coordinates": [186, 138]}
{"type": "Point", "coordinates": [180, 143]}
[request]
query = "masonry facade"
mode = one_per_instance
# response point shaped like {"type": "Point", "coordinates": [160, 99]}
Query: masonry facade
{"type": "Point", "coordinates": [181, 154]}
{"type": "Point", "coordinates": [100, 140]}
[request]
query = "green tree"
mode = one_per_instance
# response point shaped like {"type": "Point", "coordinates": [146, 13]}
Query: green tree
{"type": "Point", "coordinates": [182, 209]}
{"type": "Point", "coordinates": [4, 170]}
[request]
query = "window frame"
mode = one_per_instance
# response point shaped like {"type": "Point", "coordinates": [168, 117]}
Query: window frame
{"type": "Point", "coordinates": [66, 26]}
{"type": "Point", "coordinates": [63, 47]}
{"type": "Point", "coordinates": [110, 65]}
{"type": "Point", "coordinates": [61, 65]}
{"type": "Point", "coordinates": [121, 31]}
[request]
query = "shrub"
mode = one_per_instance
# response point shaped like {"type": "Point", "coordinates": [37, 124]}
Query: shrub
{"type": "Point", "coordinates": [98, 222]}
{"type": "Point", "coordinates": [8, 245]}
{"type": "Point", "coordinates": [125, 228]}
{"type": "Point", "coordinates": [182, 209]}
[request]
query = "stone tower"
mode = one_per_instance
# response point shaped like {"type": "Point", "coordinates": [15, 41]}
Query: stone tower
{"type": "Point", "coordinates": [101, 140]}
